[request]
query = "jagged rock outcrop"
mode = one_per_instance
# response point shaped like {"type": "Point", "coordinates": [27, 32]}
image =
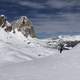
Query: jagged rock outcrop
{"type": "Point", "coordinates": [2, 19]}
{"type": "Point", "coordinates": [24, 25]}
{"type": "Point", "coordinates": [4, 23]}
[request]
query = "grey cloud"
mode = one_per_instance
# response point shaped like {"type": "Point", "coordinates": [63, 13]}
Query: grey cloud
{"type": "Point", "coordinates": [31, 4]}
{"type": "Point", "coordinates": [70, 23]}
{"type": "Point", "coordinates": [62, 3]}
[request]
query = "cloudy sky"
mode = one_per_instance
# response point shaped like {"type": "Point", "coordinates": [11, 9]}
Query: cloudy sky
{"type": "Point", "coordinates": [49, 17]}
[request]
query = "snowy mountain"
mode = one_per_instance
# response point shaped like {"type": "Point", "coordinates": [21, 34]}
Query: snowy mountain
{"type": "Point", "coordinates": [18, 48]}
{"type": "Point", "coordinates": [29, 58]}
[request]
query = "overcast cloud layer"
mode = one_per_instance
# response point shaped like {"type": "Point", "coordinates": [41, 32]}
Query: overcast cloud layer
{"type": "Point", "coordinates": [48, 16]}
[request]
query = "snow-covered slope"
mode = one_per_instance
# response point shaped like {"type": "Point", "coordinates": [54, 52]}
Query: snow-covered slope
{"type": "Point", "coordinates": [65, 66]}
{"type": "Point", "coordinates": [24, 58]}
{"type": "Point", "coordinates": [17, 48]}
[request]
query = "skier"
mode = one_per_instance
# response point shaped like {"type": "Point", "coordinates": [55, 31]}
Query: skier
{"type": "Point", "coordinates": [61, 47]}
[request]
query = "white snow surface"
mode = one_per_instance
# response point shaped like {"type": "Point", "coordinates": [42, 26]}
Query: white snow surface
{"type": "Point", "coordinates": [70, 38]}
{"type": "Point", "coordinates": [25, 59]}
{"type": "Point", "coordinates": [17, 48]}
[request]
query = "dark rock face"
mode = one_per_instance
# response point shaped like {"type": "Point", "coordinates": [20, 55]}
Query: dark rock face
{"type": "Point", "coordinates": [2, 20]}
{"type": "Point", "coordinates": [24, 25]}
{"type": "Point", "coordinates": [71, 43]}
{"type": "Point", "coordinates": [5, 24]}
{"type": "Point", "coordinates": [66, 44]}
{"type": "Point", "coordinates": [8, 29]}
{"type": "Point", "coordinates": [31, 32]}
